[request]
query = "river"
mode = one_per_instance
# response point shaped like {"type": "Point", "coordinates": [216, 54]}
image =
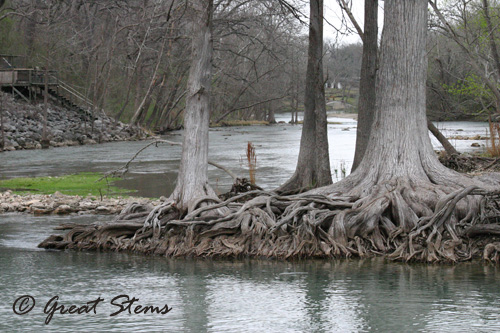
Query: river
{"type": "Point", "coordinates": [237, 295]}
{"type": "Point", "coordinates": [227, 295]}
{"type": "Point", "coordinates": [154, 172]}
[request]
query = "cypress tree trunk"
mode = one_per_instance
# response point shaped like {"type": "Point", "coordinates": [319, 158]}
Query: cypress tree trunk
{"type": "Point", "coordinates": [399, 139]}
{"type": "Point", "coordinates": [366, 104]}
{"type": "Point", "coordinates": [400, 183]}
{"type": "Point", "coordinates": [192, 181]}
{"type": "Point", "coordinates": [313, 166]}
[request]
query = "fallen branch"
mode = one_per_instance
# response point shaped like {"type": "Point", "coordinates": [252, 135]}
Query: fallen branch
{"type": "Point", "coordinates": [229, 172]}
{"type": "Point", "coordinates": [124, 169]}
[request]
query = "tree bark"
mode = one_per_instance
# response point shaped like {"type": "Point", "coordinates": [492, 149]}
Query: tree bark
{"type": "Point", "coordinates": [192, 181]}
{"type": "Point", "coordinates": [367, 95]}
{"type": "Point", "coordinates": [399, 141]}
{"type": "Point", "coordinates": [313, 166]}
{"type": "Point", "coordinates": [270, 113]}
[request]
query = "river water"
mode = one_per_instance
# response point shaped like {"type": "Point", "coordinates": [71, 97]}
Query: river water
{"type": "Point", "coordinates": [154, 172]}
{"type": "Point", "coordinates": [237, 296]}
{"type": "Point", "coordinates": [227, 295]}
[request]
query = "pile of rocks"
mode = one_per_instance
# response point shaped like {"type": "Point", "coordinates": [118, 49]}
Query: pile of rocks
{"type": "Point", "coordinates": [23, 124]}
{"type": "Point", "coordinates": [475, 137]}
{"type": "Point", "coordinates": [57, 203]}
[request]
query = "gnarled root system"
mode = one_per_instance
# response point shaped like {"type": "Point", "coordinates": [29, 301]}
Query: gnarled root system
{"type": "Point", "coordinates": [398, 219]}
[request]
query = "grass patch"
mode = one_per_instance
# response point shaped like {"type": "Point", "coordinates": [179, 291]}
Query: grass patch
{"type": "Point", "coordinates": [82, 184]}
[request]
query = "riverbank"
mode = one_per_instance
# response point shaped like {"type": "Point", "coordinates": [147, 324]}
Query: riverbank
{"type": "Point", "coordinates": [60, 204]}
{"type": "Point", "coordinates": [23, 127]}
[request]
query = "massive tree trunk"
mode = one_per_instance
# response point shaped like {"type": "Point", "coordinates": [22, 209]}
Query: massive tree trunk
{"type": "Point", "coordinates": [400, 182]}
{"type": "Point", "coordinates": [366, 104]}
{"type": "Point", "coordinates": [399, 144]}
{"type": "Point", "coordinates": [192, 181]}
{"type": "Point", "coordinates": [313, 166]}
{"type": "Point", "coordinates": [399, 149]}
{"type": "Point", "coordinates": [367, 87]}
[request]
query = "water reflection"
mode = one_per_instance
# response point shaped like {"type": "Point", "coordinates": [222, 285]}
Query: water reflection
{"type": "Point", "coordinates": [239, 295]}
{"type": "Point", "coordinates": [251, 296]}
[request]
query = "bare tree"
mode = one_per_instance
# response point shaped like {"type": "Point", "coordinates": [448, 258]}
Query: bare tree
{"type": "Point", "coordinates": [491, 36]}
{"type": "Point", "coordinates": [469, 41]}
{"type": "Point", "coordinates": [313, 166]}
{"type": "Point", "coordinates": [367, 95]}
{"type": "Point", "coordinates": [192, 181]}
{"type": "Point", "coordinates": [367, 88]}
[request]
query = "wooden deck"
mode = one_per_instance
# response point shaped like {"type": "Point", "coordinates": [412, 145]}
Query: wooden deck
{"type": "Point", "coordinates": [24, 77]}
{"type": "Point", "coordinates": [14, 72]}
{"type": "Point", "coordinates": [29, 83]}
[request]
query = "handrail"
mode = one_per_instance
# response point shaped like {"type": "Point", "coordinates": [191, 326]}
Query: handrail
{"type": "Point", "coordinates": [77, 96]}
{"type": "Point", "coordinates": [74, 91]}
{"type": "Point", "coordinates": [37, 76]}
{"type": "Point", "coordinates": [8, 63]}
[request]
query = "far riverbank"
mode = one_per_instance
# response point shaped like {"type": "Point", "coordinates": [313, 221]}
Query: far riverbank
{"type": "Point", "coordinates": [23, 127]}
{"type": "Point", "coordinates": [60, 204]}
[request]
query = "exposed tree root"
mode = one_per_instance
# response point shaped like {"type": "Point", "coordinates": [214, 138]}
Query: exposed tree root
{"type": "Point", "coordinates": [470, 163]}
{"type": "Point", "coordinates": [398, 219]}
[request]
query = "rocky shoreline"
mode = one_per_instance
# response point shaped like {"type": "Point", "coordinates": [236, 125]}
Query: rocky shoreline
{"type": "Point", "coordinates": [60, 204]}
{"type": "Point", "coordinates": [23, 124]}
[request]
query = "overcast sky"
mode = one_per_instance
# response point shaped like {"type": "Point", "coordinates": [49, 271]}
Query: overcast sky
{"type": "Point", "coordinates": [333, 15]}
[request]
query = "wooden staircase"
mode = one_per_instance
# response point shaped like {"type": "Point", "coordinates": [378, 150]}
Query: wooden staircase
{"type": "Point", "coordinates": [29, 83]}
{"type": "Point", "coordinates": [72, 99]}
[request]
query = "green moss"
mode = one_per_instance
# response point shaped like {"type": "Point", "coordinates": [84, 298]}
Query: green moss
{"type": "Point", "coordinates": [82, 184]}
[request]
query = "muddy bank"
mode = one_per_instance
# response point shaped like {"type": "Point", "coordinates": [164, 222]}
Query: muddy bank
{"type": "Point", "coordinates": [23, 126]}
{"type": "Point", "coordinates": [57, 203]}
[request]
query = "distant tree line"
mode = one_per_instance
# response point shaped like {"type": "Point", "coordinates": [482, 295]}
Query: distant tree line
{"type": "Point", "coordinates": [131, 58]}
